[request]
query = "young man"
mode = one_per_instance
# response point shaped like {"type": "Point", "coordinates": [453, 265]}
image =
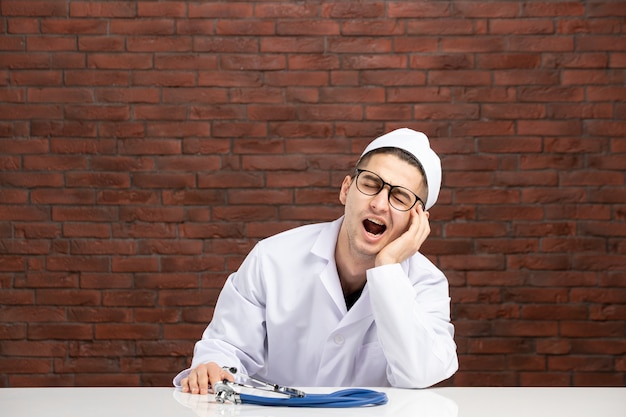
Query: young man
{"type": "Point", "coordinates": [346, 303]}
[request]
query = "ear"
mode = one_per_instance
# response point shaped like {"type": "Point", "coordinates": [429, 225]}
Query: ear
{"type": "Point", "coordinates": [345, 187]}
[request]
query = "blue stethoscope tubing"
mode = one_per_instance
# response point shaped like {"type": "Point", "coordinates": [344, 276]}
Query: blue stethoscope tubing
{"type": "Point", "coordinates": [352, 397]}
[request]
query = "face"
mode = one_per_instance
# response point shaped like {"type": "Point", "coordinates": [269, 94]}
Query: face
{"type": "Point", "coordinates": [370, 223]}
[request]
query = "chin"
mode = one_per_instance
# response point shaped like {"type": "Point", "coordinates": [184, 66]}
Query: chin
{"type": "Point", "coordinates": [370, 250]}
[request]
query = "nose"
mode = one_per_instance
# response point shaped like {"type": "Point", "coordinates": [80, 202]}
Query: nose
{"type": "Point", "coordinates": [380, 201]}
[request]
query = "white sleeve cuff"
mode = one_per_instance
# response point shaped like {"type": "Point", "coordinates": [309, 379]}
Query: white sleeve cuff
{"type": "Point", "coordinates": [179, 377]}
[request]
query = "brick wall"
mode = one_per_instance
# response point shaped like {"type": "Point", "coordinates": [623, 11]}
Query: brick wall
{"type": "Point", "coordinates": [147, 145]}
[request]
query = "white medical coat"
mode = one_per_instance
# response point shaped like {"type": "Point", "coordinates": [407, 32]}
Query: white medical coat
{"type": "Point", "coordinates": [282, 317]}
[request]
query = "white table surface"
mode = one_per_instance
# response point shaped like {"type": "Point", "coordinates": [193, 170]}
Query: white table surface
{"type": "Point", "coordinates": [439, 402]}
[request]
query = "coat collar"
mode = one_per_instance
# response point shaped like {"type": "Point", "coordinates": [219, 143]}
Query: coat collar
{"type": "Point", "coordinates": [324, 247]}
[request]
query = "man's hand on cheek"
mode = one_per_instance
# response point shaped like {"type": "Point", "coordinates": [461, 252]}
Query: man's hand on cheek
{"type": "Point", "coordinates": [409, 242]}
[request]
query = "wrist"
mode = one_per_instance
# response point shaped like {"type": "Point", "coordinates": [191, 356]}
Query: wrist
{"type": "Point", "coordinates": [382, 259]}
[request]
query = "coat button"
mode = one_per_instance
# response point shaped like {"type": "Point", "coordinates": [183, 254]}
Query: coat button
{"type": "Point", "coordinates": [339, 339]}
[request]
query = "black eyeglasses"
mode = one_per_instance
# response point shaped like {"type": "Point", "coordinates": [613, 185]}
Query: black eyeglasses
{"type": "Point", "coordinates": [400, 198]}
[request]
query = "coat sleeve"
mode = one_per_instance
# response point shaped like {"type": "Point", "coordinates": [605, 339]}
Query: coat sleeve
{"type": "Point", "coordinates": [413, 324]}
{"type": "Point", "coordinates": [236, 334]}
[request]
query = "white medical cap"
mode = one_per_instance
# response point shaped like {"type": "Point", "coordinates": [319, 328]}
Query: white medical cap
{"type": "Point", "coordinates": [417, 144]}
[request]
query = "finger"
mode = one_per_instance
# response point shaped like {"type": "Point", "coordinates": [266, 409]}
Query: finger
{"type": "Point", "coordinates": [184, 384]}
{"type": "Point", "coordinates": [423, 214]}
{"type": "Point", "coordinates": [229, 376]}
{"type": "Point", "coordinates": [214, 373]}
{"type": "Point", "coordinates": [424, 226]}
{"type": "Point", "coordinates": [192, 382]}
{"type": "Point", "coordinates": [420, 210]}
{"type": "Point", "coordinates": [203, 379]}
{"type": "Point", "coordinates": [416, 219]}
{"type": "Point", "coordinates": [217, 374]}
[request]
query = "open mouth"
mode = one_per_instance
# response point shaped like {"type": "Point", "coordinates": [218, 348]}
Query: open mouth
{"type": "Point", "coordinates": [374, 227]}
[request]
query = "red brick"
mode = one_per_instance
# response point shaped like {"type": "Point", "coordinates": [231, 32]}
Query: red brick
{"type": "Point", "coordinates": [545, 379]}
{"type": "Point", "coordinates": [106, 112]}
{"type": "Point", "coordinates": [372, 27]}
{"type": "Point", "coordinates": [166, 348]}
{"type": "Point", "coordinates": [307, 27]}
{"type": "Point", "coordinates": [291, 131]}
{"type": "Point", "coordinates": [97, 77]}
{"type": "Point", "coordinates": [554, 346]}
{"type": "Point", "coordinates": [482, 362]}
{"type": "Point", "coordinates": [482, 379]}
{"type": "Point", "coordinates": [270, 62]}
{"type": "Point", "coordinates": [33, 8]}
{"type": "Point", "coordinates": [142, 26]}
{"type": "Point", "coordinates": [600, 379]}
{"type": "Point", "coordinates": [96, 348]}
{"type": "Point", "coordinates": [33, 349]}
{"type": "Point", "coordinates": [132, 146]}
{"type": "Point", "coordinates": [171, 8]}
{"type": "Point", "coordinates": [99, 314]}
{"type": "Point", "coordinates": [38, 78]}
{"type": "Point", "coordinates": [178, 246]}
{"type": "Point", "coordinates": [295, 45]}
{"type": "Point", "coordinates": [134, 264]}
{"type": "Point", "coordinates": [106, 380]}
{"type": "Point", "coordinates": [375, 62]}
{"type": "Point", "coordinates": [526, 27]}
{"type": "Point", "coordinates": [177, 332]}
{"type": "Point", "coordinates": [24, 213]}
{"type": "Point", "coordinates": [167, 281]}
{"type": "Point", "coordinates": [189, 298]}
{"type": "Point", "coordinates": [212, 10]}
{"type": "Point", "coordinates": [105, 280]}
{"type": "Point", "coordinates": [274, 163]}
{"type": "Point", "coordinates": [13, 196]}
{"type": "Point", "coordinates": [156, 112]}
{"type": "Point", "coordinates": [195, 95]}
{"type": "Point", "coordinates": [527, 363]}
{"type": "Point", "coordinates": [158, 364]}
{"type": "Point", "coordinates": [412, 10]}
{"type": "Point", "coordinates": [584, 364]}
{"type": "Point", "coordinates": [127, 95]}
{"type": "Point", "coordinates": [177, 62]}
{"type": "Point", "coordinates": [126, 331]}
{"type": "Point", "coordinates": [34, 111]}
{"type": "Point", "coordinates": [70, 60]}
{"type": "Point", "coordinates": [323, 147]}
{"type": "Point", "coordinates": [74, 26]}
{"type": "Point", "coordinates": [226, 27]}
{"type": "Point", "coordinates": [539, 311]}
{"type": "Point", "coordinates": [60, 331]}
{"type": "Point", "coordinates": [310, 78]}
{"type": "Point", "coordinates": [271, 113]}
{"type": "Point", "coordinates": [37, 230]}
{"type": "Point", "coordinates": [212, 230]}
{"type": "Point", "coordinates": [101, 43]}
{"type": "Point", "coordinates": [82, 365]}
{"type": "Point", "coordinates": [25, 366]}
{"type": "Point", "coordinates": [473, 44]}
{"type": "Point", "coordinates": [598, 347]}
{"type": "Point", "coordinates": [416, 44]}
{"type": "Point", "coordinates": [73, 263]}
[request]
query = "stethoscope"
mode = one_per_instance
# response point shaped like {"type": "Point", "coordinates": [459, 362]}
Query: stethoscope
{"type": "Point", "coordinates": [227, 391]}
